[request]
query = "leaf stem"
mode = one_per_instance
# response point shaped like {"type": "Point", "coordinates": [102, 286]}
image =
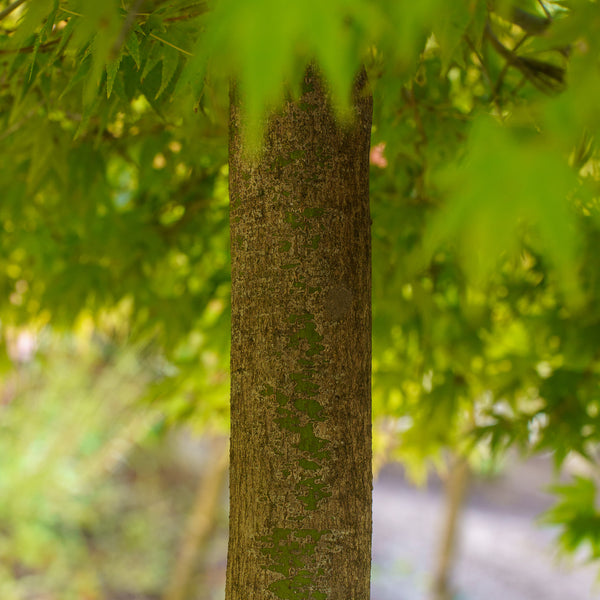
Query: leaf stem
{"type": "Point", "coordinates": [546, 11]}
{"type": "Point", "coordinates": [507, 64]}
{"type": "Point", "coordinates": [71, 12]}
{"type": "Point", "coordinates": [30, 49]}
{"type": "Point", "coordinates": [10, 8]}
{"type": "Point", "coordinates": [169, 44]}
{"type": "Point", "coordinates": [126, 27]}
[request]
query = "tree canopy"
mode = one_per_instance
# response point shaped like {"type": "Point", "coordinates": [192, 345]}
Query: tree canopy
{"type": "Point", "coordinates": [484, 191]}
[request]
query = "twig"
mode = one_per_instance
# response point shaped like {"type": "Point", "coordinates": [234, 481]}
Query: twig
{"type": "Point", "coordinates": [529, 22]}
{"type": "Point", "coordinates": [420, 141]}
{"type": "Point", "coordinates": [127, 23]}
{"type": "Point", "coordinates": [546, 11]}
{"type": "Point", "coordinates": [500, 80]}
{"type": "Point", "coordinates": [71, 12]}
{"type": "Point", "coordinates": [543, 75]}
{"type": "Point", "coordinates": [30, 49]}
{"type": "Point", "coordinates": [169, 44]}
{"type": "Point", "coordinates": [486, 74]}
{"type": "Point", "coordinates": [10, 8]}
{"type": "Point", "coordinates": [202, 6]}
{"type": "Point", "coordinates": [410, 95]}
{"type": "Point", "coordinates": [480, 60]}
{"type": "Point", "coordinates": [186, 17]}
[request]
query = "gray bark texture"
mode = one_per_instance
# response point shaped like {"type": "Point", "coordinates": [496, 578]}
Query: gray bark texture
{"type": "Point", "coordinates": [300, 474]}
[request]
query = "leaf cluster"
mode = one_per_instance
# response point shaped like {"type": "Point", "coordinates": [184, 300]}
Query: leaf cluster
{"type": "Point", "coordinates": [485, 220]}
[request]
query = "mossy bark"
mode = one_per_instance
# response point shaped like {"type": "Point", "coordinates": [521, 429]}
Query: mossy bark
{"type": "Point", "coordinates": [300, 475]}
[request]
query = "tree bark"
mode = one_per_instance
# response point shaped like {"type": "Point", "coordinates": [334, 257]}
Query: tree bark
{"type": "Point", "coordinates": [300, 458]}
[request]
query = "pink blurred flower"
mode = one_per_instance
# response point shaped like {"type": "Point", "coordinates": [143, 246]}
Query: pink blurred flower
{"type": "Point", "coordinates": [377, 157]}
{"type": "Point", "coordinates": [22, 348]}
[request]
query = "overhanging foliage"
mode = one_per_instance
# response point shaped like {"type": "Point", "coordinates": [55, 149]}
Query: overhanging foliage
{"type": "Point", "coordinates": [486, 225]}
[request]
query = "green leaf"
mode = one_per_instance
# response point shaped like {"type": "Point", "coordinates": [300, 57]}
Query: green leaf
{"type": "Point", "coordinates": [80, 74]}
{"type": "Point", "coordinates": [449, 28]}
{"type": "Point", "coordinates": [153, 58]}
{"type": "Point", "coordinates": [42, 36]}
{"type": "Point", "coordinates": [98, 26]}
{"type": "Point", "coordinates": [577, 516]}
{"type": "Point", "coordinates": [511, 181]}
{"type": "Point", "coordinates": [33, 18]}
{"type": "Point", "coordinates": [170, 62]}
{"type": "Point", "coordinates": [133, 47]}
{"type": "Point", "coordinates": [112, 68]}
{"type": "Point", "coordinates": [267, 44]}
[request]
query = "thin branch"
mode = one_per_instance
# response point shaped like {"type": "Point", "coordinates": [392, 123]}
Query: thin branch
{"type": "Point", "coordinates": [543, 75]}
{"type": "Point", "coordinates": [71, 12]}
{"type": "Point", "coordinates": [202, 4]}
{"type": "Point", "coordinates": [169, 44]}
{"type": "Point", "coordinates": [410, 96]}
{"type": "Point", "coordinates": [486, 74]}
{"type": "Point", "coordinates": [533, 24]}
{"type": "Point", "coordinates": [10, 8]}
{"type": "Point", "coordinates": [127, 23]}
{"type": "Point", "coordinates": [188, 13]}
{"type": "Point", "coordinates": [546, 11]}
{"type": "Point", "coordinates": [30, 49]}
{"type": "Point", "coordinates": [420, 142]}
{"type": "Point", "coordinates": [507, 64]}
{"type": "Point", "coordinates": [484, 69]}
{"type": "Point", "coordinates": [186, 17]}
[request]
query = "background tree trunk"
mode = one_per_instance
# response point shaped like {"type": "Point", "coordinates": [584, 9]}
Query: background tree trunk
{"type": "Point", "coordinates": [300, 478]}
{"type": "Point", "coordinates": [456, 484]}
{"type": "Point", "coordinates": [200, 523]}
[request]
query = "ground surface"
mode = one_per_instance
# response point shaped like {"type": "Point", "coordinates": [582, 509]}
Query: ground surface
{"type": "Point", "coordinates": [503, 554]}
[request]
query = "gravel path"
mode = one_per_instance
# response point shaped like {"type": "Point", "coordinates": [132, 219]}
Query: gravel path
{"type": "Point", "coordinates": [503, 554]}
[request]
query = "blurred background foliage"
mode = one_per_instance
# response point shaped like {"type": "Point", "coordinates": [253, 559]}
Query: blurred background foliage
{"type": "Point", "coordinates": [115, 267]}
{"type": "Point", "coordinates": [86, 467]}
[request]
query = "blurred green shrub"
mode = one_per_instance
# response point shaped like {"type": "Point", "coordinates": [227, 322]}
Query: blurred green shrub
{"type": "Point", "coordinates": [75, 520]}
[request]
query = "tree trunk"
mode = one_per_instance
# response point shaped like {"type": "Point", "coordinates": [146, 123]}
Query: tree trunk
{"type": "Point", "coordinates": [300, 474]}
{"type": "Point", "coordinates": [457, 483]}
{"type": "Point", "coordinates": [200, 522]}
